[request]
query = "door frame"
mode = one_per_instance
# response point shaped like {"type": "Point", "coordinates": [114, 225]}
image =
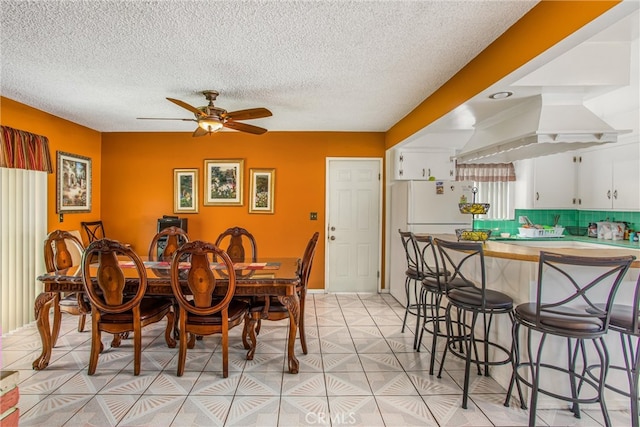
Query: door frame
{"type": "Point", "coordinates": [328, 160]}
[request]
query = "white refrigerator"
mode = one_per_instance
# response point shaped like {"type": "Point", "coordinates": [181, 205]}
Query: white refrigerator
{"type": "Point", "coordinates": [422, 207]}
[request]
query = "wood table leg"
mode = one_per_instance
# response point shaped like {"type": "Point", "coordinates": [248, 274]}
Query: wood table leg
{"type": "Point", "coordinates": [41, 308]}
{"type": "Point", "coordinates": [293, 305]}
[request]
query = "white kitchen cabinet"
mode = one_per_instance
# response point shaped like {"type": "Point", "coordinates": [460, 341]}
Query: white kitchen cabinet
{"type": "Point", "coordinates": [610, 178]}
{"type": "Point", "coordinates": [422, 164]}
{"type": "Point", "coordinates": [554, 181]}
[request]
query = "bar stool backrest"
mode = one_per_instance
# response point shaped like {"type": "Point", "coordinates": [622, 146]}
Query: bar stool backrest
{"type": "Point", "coordinates": [459, 261]}
{"type": "Point", "coordinates": [576, 286]}
{"type": "Point", "coordinates": [430, 259]}
{"type": "Point", "coordinates": [412, 253]}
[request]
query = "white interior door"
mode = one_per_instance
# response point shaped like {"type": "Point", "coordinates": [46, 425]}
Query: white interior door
{"type": "Point", "coordinates": [353, 248]}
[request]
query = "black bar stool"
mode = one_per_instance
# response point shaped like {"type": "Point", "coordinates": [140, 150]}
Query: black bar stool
{"type": "Point", "coordinates": [625, 319]}
{"type": "Point", "coordinates": [569, 289]}
{"type": "Point", "coordinates": [413, 277]}
{"type": "Point", "coordinates": [434, 288]}
{"type": "Point", "coordinates": [472, 302]}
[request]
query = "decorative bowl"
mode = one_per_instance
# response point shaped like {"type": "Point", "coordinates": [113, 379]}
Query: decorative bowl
{"type": "Point", "coordinates": [472, 235]}
{"type": "Point", "coordinates": [474, 208]}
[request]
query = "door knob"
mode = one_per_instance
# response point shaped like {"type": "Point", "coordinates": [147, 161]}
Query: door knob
{"type": "Point", "coordinates": [332, 238]}
{"type": "Point", "coordinates": [333, 229]}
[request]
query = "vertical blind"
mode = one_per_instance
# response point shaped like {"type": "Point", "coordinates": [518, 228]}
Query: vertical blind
{"type": "Point", "coordinates": [24, 164]}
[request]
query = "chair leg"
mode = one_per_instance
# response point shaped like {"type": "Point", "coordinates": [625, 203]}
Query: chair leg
{"type": "Point", "coordinates": [303, 336]}
{"type": "Point", "coordinates": [184, 337]}
{"type": "Point", "coordinates": [96, 344]}
{"type": "Point", "coordinates": [469, 343]}
{"type": "Point", "coordinates": [408, 304]}
{"type": "Point", "coordinates": [225, 345]}
{"type": "Point", "coordinates": [601, 349]}
{"type": "Point", "coordinates": [57, 320]}
{"type": "Point", "coordinates": [137, 345]}
{"type": "Point", "coordinates": [515, 362]}
{"type": "Point", "coordinates": [81, 321]}
{"type": "Point", "coordinates": [449, 335]}
{"type": "Point", "coordinates": [535, 377]}
{"type": "Point", "coordinates": [632, 363]}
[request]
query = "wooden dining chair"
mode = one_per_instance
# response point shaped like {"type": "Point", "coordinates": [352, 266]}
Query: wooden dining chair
{"type": "Point", "coordinates": [166, 242]}
{"type": "Point", "coordinates": [236, 241]}
{"type": "Point", "coordinates": [202, 313]}
{"type": "Point", "coordinates": [58, 256]}
{"type": "Point", "coordinates": [118, 302]}
{"type": "Point", "coordinates": [94, 230]}
{"type": "Point", "coordinates": [272, 309]}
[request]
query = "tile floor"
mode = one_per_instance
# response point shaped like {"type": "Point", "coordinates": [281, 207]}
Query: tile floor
{"type": "Point", "coordinates": [360, 371]}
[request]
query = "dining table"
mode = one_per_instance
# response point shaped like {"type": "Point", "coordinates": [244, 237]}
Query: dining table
{"type": "Point", "coordinates": [269, 277]}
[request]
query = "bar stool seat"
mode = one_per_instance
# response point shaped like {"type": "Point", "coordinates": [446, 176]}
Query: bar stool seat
{"type": "Point", "coordinates": [473, 297]}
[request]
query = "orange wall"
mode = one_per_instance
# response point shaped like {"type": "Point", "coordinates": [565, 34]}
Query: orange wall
{"type": "Point", "coordinates": [63, 136]}
{"type": "Point", "coordinates": [137, 185]}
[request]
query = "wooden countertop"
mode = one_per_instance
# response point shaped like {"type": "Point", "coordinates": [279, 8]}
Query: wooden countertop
{"type": "Point", "coordinates": [506, 250]}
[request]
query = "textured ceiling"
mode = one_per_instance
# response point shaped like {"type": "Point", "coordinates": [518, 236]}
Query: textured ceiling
{"type": "Point", "coordinates": [317, 65]}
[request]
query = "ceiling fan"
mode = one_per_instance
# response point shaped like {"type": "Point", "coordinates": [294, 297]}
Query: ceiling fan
{"type": "Point", "coordinates": [211, 118]}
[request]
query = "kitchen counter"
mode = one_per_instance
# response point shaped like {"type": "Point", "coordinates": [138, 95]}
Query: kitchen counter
{"type": "Point", "coordinates": [512, 248]}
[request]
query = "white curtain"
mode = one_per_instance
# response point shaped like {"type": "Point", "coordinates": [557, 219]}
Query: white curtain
{"type": "Point", "coordinates": [23, 228]}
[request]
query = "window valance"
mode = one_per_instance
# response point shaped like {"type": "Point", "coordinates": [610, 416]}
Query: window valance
{"type": "Point", "coordinates": [486, 172]}
{"type": "Point", "coordinates": [24, 150]}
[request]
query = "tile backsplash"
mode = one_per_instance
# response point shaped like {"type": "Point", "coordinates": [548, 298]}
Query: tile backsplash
{"type": "Point", "coordinates": [568, 217]}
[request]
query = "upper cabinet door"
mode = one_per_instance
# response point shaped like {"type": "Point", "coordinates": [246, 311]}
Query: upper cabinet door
{"type": "Point", "coordinates": [423, 164]}
{"type": "Point", "coordinates": [610, 178]}
{"type": "Point", "coordinates": [554, 184]}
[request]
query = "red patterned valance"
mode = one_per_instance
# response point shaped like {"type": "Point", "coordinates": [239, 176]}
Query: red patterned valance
{"type": "Point", "coordinates": [24, 150]}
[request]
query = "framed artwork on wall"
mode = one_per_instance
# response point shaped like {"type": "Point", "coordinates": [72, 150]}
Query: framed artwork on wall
{"type": "Point", "coordinates": [185, 190]}
{"type": "Point", "coordinates": [73, 183]}
{"type": "Point", "coordinates": [223, 182]}
{"type": "Point", "coordinates": [262, 190]}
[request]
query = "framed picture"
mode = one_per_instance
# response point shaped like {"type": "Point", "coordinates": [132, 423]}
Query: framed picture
{"type": "Point", "coordinates": [73, 183]}
{"type": "Point", "coordinates": [262, 190]}
{"type": "Point", "coordinates": [223, 182]}
{"type": "Point", "coordinates": [185, 190]}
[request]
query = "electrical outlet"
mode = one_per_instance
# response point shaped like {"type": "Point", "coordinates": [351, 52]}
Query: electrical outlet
{"type": "Point", "coordinates": [521, 220]}
{"type": "Point", "coordinates": [313, 216]}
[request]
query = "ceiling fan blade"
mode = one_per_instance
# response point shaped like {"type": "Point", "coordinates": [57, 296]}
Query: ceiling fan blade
{"type": "Point", "coordinates": [183, 104]}
{"type": "Point", "coordinates": [199, 132]}
{"type": "Point", "coordinates": [243, 127]}
{"type": "Point", "coordinates": [165, 118]}
{"type": "Point", "coordinates": [251, 113]}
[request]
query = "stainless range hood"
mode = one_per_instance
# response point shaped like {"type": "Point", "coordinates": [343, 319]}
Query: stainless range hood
{"type": "Point", "coordinates": [540, 126]}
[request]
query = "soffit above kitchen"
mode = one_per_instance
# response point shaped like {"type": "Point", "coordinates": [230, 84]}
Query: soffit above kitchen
{"type": "Point", "coordinates": [550, 96]}
{"type": "Point", "coordinates": [316, 65]}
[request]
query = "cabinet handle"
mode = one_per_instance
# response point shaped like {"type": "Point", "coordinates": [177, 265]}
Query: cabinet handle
{"type": "Point", "coordinates": [609, 194]}
{"type": "Point", "coordinates": [423, 175]}
{"type": "Point", "coordinates": [429, 171]}
{"type": "Point", "coordinates": [537, 196]}
{"type": "Point", "coordinates": [615, 194]}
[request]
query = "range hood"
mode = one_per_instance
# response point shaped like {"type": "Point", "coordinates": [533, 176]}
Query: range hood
{"type": "Point", "coordinates": [539, 126]}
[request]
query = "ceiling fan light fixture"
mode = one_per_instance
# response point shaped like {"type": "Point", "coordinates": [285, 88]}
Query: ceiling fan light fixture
{"type": "Point", "coordinates": [210, 124]}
